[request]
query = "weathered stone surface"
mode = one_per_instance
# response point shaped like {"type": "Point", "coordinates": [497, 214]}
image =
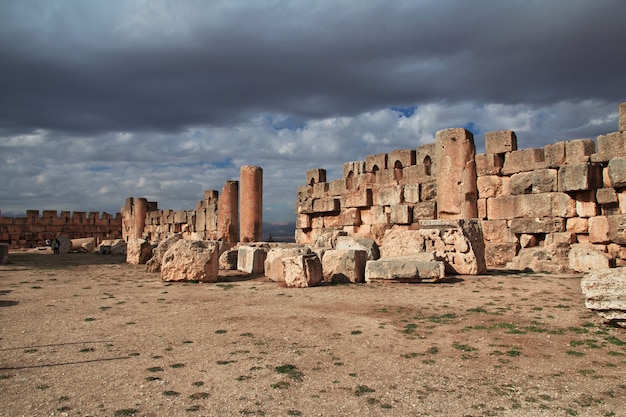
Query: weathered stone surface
{"type": "Point", "coordinates": [611, 145]}
{"type": "Point", "coordinates": [191, 260]}
{"type": "Point", "coordinates": [424, 210]}
{"type": "Point", "coordinates": [599, 229]}
{"type": "Point", "coordinates": [555, 154]}
{"type": "Point", "coordinates": [500, 141]}
{"type": "Point", "coordinates": [537, 225]}
{"type": "Point", "coordinates": [302, 271]}
{"type": "Point", "coordinates": [534, 182]}
{"type": "Point", "coordinates": [583, 258]}
{"type": "Point", "coordinates": [489, 164]}
{"type": "Point", "coordinates": [326, 205]}
{"type": "Point", "coordinates": [617, 229]}
{"type": "Point", "coordinates": [251, 259]}
{"type": "Point", "coordinates": [228, 259]}
{"type": "Point", "coordinates": [456, 174]}
{"type": "Point", "coordinates": [411, 193]}
{"type": "Point", "coordinates": [344, 266]}
{"type": "Point", "coordinates": [540, 259]}
{"type": "Point", "coordinates": [4, 253]}
{"type": "Point", "coordinates": [401, 214]}
{"type": "Point", "coordinates": [83, 244]}
{"type": "Point", "coordinates": [493, 186]}
{"type": "Point", "coordinates": [622, 116]}
{"type": "Point", "coordinates": [274, 261]}
{"type": "Point", "coordinates": [523, 160]}
{"type": "Point", "coordinates": [579, 150]}
{"type": "Point", "coordinates": [559, 240]}
{"type": "Point", "coordinates": [497, 231]}
{"type": "Point", "coordinates": [389, 195]}
{"type": "Point", "coordinates": [115, 246]}
{"type": "Point", "coordinates": [527, 240]}
{"type": "Point", "coordinates": [358, 198]}
{"type": "Point", "coordinates": [404, 270]}
{"type": "Point", "coordinates": [617, 172]}
{"type": "Point", "coordinates": [531, 205]}
{"type": "Point", "coordinates": [586, 204]}
{"type": "Point", "coordinates": [457, 242]}
{"type": "Point", "coordinates": [606, 196]}
{"type": "Point", "coordinates": [374, 215]}
{"type": "Point", "coordinates": [358, 243]}
{"type": "Point", "coordinates": [605, 292]}
{"type": "Point", "coordinates": [497, 254]}
{"type": "Point", "coordinates": [138, 251]}
{"type": "Point", "coordinates": [65, 244]}
{"type": "Point", "coordinates": [154, 264]}
{"type": "Point", "coordinates": [315, 175]}
{"type": "Point", "coordinates": [578, 177]}
{"type": "Point", "coordinates": [577, 225]}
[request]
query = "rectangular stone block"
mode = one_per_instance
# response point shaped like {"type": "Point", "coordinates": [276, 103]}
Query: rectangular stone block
{"type": "Point", "coordinates": [349, 217]}
{"type": "Point", "coordinates": [498, 231]}
{"type": "Point", "coordinates": [599, 229]}
{"type": "Point", "coordinates": [336, 188]}
{"type": "Point", "coordinates": [401, 214]}
{"type": "Point", "coordinates": [428, 190]}
{"type": "Point", "coordinates": [411, 193]}
{"type": "Point", "coordinates": [617, 229]}
{"type": "Point", "coordinates": [579, 150]}
{"type": "Point", "coordinates": [344, 266]}
{"type": "Point", "coordinates": [489, 164]}
{"type": "Point", "coordinates": [401, 158]}
{"type": "Point", "coordinates": [389, 196]}
{"type": "Point", "coordinates": [320, 190]}
{"type": "Point", "coordinates": [374, 215]}
{"type": "Point", "coordinates": [555, 154]}
{"type": "Point", "coordinates": [524, 160]}
{"type": "Point", "coordinates": [403, 270]}
{"type": "Point", "coordinates": [302, 271]}
{"type": "Point", "coordinates": [304, 191]}
{"type": "Point", "coordinates": [358, 198]}
{"type": "Point", "coordinates": [609, 146]}
{"type": "Point", "coordinates": [303, 221]}
{"type": "Point", "coordinates": [617, 172]}
{"type": "Point", "coordinates": [500, 141]}
{"type": "Point", "coordinates": [579, 177]}
{"type": "Point", "coordinates": [375, 162]}
{"type": "Point", "coordinates": [251, 259]}
{"type": "Point", "coordinates": [316, 175]}
{"type": "Point", "coordinates": [537, 225]}
{"type": "Point", "coordinates": [606, 196]}
{"type": "Point", "coordinates": [425, 210]}
{"type": "Point", "coordinates": [493, 186]}
{"type": "Point", "coordinates": [586, 205]}
{"type": "Point", "coordinates": [577, 225]}
{"type": "Point", "coordinates": [413, 174]}
{"type": "Point", "coordinates": [326, 205]}
{"type": "Point", "coordinates": [559, 240]}
{"type": "Point", "coordinates": [481, 205]}
{"type": "Point", "coordinates": [499, 254]}
{"type": "Point", "coordinates": [331, 222]}
{"type": "Point", "coordinates": [531, 205]}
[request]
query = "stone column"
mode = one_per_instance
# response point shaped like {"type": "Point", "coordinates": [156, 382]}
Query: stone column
{"type": "Point", "coordinates": [457, 194]}
{"type": "Point", "coordinates": [251, 204]}
{"type": "Point", "coordinates": [139, 216]}
{"type": "Point", "coordinates": [228, 213]}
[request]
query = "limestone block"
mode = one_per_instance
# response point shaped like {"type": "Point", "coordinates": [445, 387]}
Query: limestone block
{"type": "Point", "coordinates": [537, 225]}
{"type": "Point", "coordinates": [622, 116]}
{"type": "Point", "coordinates": [555, 154]}
{"type": "Point", "coordinates": [605, 292]}
{"type": "Point", "coordinates": [401, 214]}
{"type": "Point", "coordinates": [540, 259]}
{"type": "Point", "coordinates": [577, 225]}
{"type": "Point", "coordinates": [191, 260]}
{"type": "Point", "coordinates": [543, 181]}
{"type": "Point", "coordinates": [500, 141]}
{"type": "Point", "coordinates": [414, 174]}
{"type": "Point", "coordinates": [405, 157]}
{"type": "Point", "coordinates": [390, 195]}
{"type": "Point", "coordinates": [228, 260]}
{"type": "Point", "coordinates": [344, 266]}
{"type": "Point", "coordinates": [302, 271]}
{"type": "Point", "coordinates": [425, 210]}
{"type": "Point", "coordinates": [411, 193]}
{"type": "Point", "coordinates": [578, 177]}
{"type": "Point", "coordinates": [316, 175]}
{"type": "Point", "coordinates": [138, 251]}
{"type": "Point", "coordinates": [303, 221]}
{"type": "Point", "coordinates": [320, 190]}
{"type": "Point", "coordinates": [358, 198]}
{"type": "Point", "coordinates": [617, 229]}
{"type": "Point", "coordinates": [579, 150]}
{"type": "Point", "coordinates": [489, 164]}
{"type": "Point", "coordinates": [498, 254]}
{"type": "Point", "coordinates": [358, 243]}
{"type": "Point", "coordinates": [353, 167]}
{"type": "Point", "coordinates": [154, 264]}
{"type": "Point", "coordinates": [528, 241]}
{"type": "Point", "coordinates": [531, 205]}
{"type": "Point", "coordinates": [325, 205]}
{"type": "Point", "coordinates": [611, 145]}
{"type": "Point", "coordinates": [317, 222]}
{"type": "Point", "coordinates": [617, 172]}
{"type": "Point", "coordinates": [586, 205]}
{"type": "Point", "coordinates": [331, 222]}
{"type": "Point", "coordinates": [304, 191]}
{"type": "Point", "coordinates": [305, 206]}
{"type": "Point", "coordinates": [621, 198]}
{"type": "Point", "coordinates": [336, 188]}
{"type": "Point", "coordinates": [404, 270]}
{"type": "Point", "coordinates": [606, 196]}
{"type": "Point", "coordinates": [583, 258]}
{"type": "Point", "coordinates": [374, 215]}
{"type": "Point", "coordinates": [251, 259]}
{"type": "Point", "coordinates": [428, 190]}
{"type": "Point", "coordinates": [493, 186]}
{"type": "Point", "coordinates": [180, 216]}
{"type": "Point", "coordinates": [274, 261]}
{"type": "Point", "coordinates": [83, 245]}
{"type": "Point", "coordinates": [349, 217]}
{"type": "Point", "coordinates": [521, 183]}
{"type": "Point", "coordinates": [559, 240]}
{"type": "Point", "coordinates": [375, 162]}
{"type": "Point", "coordinates": [497, 231]}
{"type": "Point", "coordinates": [115, 246]}
{"type": "Point", "coordinates": [599, 229]}
{"type": "Point", "coordinates": [4, 253]}
{"type": "Point", "coordinates": [456, 174]}
{"type": "Point", "coordinates": [523, 160]}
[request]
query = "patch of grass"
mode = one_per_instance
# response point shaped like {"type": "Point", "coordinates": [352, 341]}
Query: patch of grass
{"type": "Point", "coordinates": [464, 348]}
{"type": "Point", "coordinates": [442, 318]}
{"type": "Point", "coordinates": [221, 331]}
{"type": "Point", "coordinates": [197, 383]}
{"type": "Point", "coordinates": [89, 319]}
{"type": "Point", "coordinates": [294, 413]}
{"type": "Point", "coordinates": [42, 387]}
{"type": "Point", "coordinates": [177, 365]}
{"type": "Point", "coordinates": [226, 286]}
{"type": "Point", "coordinates": [224, 362]}
{"type": "Point", "coordinates": [152, 378]}
{"type": "Point", "coordinates": [513, 353]}
{"type": "Point", "coordinates": [574, 353]}
{"type": "Point", "coordinates": [362, 390]}
{"type": "Point", "coordinates": [193, 408]}
{"type": "Point", "coordinates": [199, 396]}
{"type": "Point", "coordinates": [409, 328]}
{"type": "Point", "coordinates": [134, 354]}
{"type": "Point", "coordinates": [30, 350]}
{"type": "Point", "coordinates": [187, 342]}
{"type": "Point", "coordinates": [477, 310]}
{"type": "Point", "coordinates": [291, 371]}
{"type": "Point", "coordinates": [125, 412]}
{"type": "Point", "coordinates": [281, 385]}
{"type": "Point", "coordinates": [243, 378]}
{"type": "Point", "coordinates": [170, 393]}
{"type": "Point", "coordinates": [246, 335]}
{"type": "Point", "coordinates": [155, 369]}
{"type": "Point", "coordinates": [84, 350]}
{"type": "Point", "coordinates": [355, 332]}
{"type": "Point", "coordinates": [615, 341]}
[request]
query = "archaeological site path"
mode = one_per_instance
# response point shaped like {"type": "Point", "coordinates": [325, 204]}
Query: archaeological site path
{"type": "Point", "coordinates": [89, 335]}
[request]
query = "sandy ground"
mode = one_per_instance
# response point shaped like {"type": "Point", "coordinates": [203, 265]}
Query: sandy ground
{"type": "Point", "coordinates": [88, 335]}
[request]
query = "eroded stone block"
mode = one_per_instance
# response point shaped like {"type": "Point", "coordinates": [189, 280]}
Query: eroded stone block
{"type": "Point", "coordinates": [344, 266]}
{"type": "Point", "coordinates": [189, 260]}
{"type": "Point", "coordinates": [302, 271]}
{"type": "Point", "coordinates": [605, 292]}
{"type": "Point", "coordinates": [523, 160]}
{"type": "Point", "coordinates": [500, 141]}
{"type": "Point", "coordinates": [579, 177]}
{"type": "Point", "coordinates": [404, 270]}
{"type": "Point", "coordinates": [273, 263]}
{"type": "Point", "coordinates": [251, 259]}
{"type": "Point", "coordinates": [489, 164]}
{"type": "Point", "coordinates": [498, 254]}
{"type": "Point", "coordinates": [617, 172]}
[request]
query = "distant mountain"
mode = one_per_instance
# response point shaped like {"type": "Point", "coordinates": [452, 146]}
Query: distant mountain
{"type": "Point", "coordinates": [279, 232]}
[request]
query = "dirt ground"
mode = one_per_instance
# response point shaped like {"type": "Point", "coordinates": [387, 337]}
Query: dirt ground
{"type": "Point", "coordinates": [88, 335]}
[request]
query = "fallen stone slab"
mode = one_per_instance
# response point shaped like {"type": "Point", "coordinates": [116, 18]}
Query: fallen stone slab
{"type": "Point", "coordinates": [154, 264]}
{"type": "Point", "coordinates": [541, 259]}
{"type": "Point", "coordinates": [228, 259]}
{"type": "Point", "coordinates": [83, 244]}
{"type": "Point", "coordinates": [359, 243]}
{"type": "Point", "coordinates": [404, 270]}
{"type": "Point", "coordinates": [605, 292]}
{"type": "Point", "coordinates": [251, 259]}
{"type": "Point", "coordinates": [138, 251]}
{"type": "Point", "coordinates": [342, 266]}
{"type": "Point", "coordinates": [302, 271]}
{"type": "Point", "coordinates": [273, 263]}
{"type": "Point", "coordinates": [191, 260]}
{"type": "Point", "coordinates": [583, 258]}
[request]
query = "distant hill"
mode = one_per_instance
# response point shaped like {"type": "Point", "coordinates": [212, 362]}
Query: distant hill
{"type": "Point", "coordinates": [279, 232]}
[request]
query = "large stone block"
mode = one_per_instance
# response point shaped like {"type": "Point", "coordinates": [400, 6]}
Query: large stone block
{"type": "Point", "coordinates": [191, 260]}
{"type": "Point", "coordinates": [374, 215]}
{"type": "Point", "coordinates": [358, 198]}
{"type": "Point", "coordinates": [228, 260]}
{"type": "Point", "coordinates": [349, 217]}
{"type": "Point", "coordinates": [555, 154]}
{"type": "Point", "coordinates": [411, 193]}
{"type": "Point", "coordinates": [326, 205]}
{"type": "Point", "coordinates": [390, 196]}
{"type": "Point", "coordinates": [500, 141]}
{"type": "Point", "coordinates": [489, 164]}
{"type": "Point", "coordinates": [541, 259]}
{"type": "Point", "coordinates": [493, 186]}
{"type": "Point", "coordinates": [586, 205]}
{"type": "Point", "coordinates": [428, 190]}
{"type": "Point", "coordinates": [404, 270]}
{"type": "Point", "coordinates": [524, 160]}
{"type": "Point", "coordinates": [401, 214]}
{"type": "Point", "coordinates": [358, 243]}
{"type": "Point", "coordinates": [497, 231]}
{"type": "Point", "coordinates": [4, 253]}
{"type": "Point", "coordinates": [605, 292]}
{"type": "Point", "coordinates": [606, 196]}
{"type": "Point", "coordinates": [274, 261]}
{"type": "Point", "coordinates": [622, 116]}
{"type": "Point", "coordinates": [302, 271]}
{"type": "Point", "coordinates": [498, 254]}
{"type": "Point", "coordinates": [251, 259]}
{"type": "Point", "coordinates": [577, 225]}
{"type": "Point", "coordinates": [336, 188]}
{"type": "Point", "coordinates": [316, 175]}
{"type": "Point", "coordinates": [425, 210]}
{"type": "Point", "coordinates": [537, 225]}
{"type": "Point", "coordinates": [583, 258]}
{"type": "Point", "coordinates": [579, 150]}
{"type": "Point", "coordinates": [375, 163]}
{"type": "Point", "coordinates": [617, 172]}
{"type": "Point", "coordinates": [401, 158]}
{"type": "Point", "coordinates": [579, 177]}
{"type": "Point", "coordinates": [154, 264]}
{"type": "Point", "coordinates": [610, 146]}
{"type": "Point", "coordinates": [320, 190]}
{"type": "Point", "coordinates": [344, 266]}
{"type": "Point", "coordinates": [531, 205]}
{"type": "Point", "coordinates": [138, 251]}
{"type": "Point", "coordinates": [617, 229]}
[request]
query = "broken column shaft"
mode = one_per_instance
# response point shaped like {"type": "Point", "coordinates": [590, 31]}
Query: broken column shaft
{"type": "Point", "coordinates": [251, 203]}
{"type": "Point", "coordinates": [228, 212]}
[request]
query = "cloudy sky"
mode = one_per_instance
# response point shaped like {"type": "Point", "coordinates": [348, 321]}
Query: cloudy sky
{"type": "Point", "coordinates": [103, 100]}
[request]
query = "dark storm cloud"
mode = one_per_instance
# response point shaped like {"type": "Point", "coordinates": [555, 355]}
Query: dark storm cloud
{"type": "Point", "coordinates": [89, 67]}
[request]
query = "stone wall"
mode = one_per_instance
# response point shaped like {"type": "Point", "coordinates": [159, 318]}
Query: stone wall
{"type": "Point", "coordinates": [33, 230]}
{"type": "Point", "coordinates": [566, 193]}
